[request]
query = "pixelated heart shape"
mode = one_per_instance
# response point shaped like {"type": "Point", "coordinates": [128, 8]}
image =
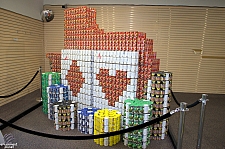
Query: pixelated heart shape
{"type": "Point", "coordinates": [75, 79]}
{"type": "Point", "coordinates": [113, 86]}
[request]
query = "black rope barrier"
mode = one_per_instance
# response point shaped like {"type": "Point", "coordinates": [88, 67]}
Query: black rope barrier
{"type": "Point", "coordinates": [193, 104]}
{"type": "Point", "coordinates": [19, 116]}
{"type": "Point", "coordinates": [175, 99]}
{"type": "Point", "coordinates": [7, 96]}
{"type": "Point", "coordinates": [172, 138]}
{"type": "Point", "coordinates": [88, 137]}
{"type": "Point", "coordinates": [188, 106]}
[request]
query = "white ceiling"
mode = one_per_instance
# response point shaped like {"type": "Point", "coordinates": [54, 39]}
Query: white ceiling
{"type": "Point", "coordinates": [30, 8]}
{"type": "Point", "coordinates": [217, 3]}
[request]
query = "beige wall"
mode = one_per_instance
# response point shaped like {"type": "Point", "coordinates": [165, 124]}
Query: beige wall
{"type": "Point", "coordinates": [30, 8]}
{"type": "Point", "coordinates": [188, 40]}
{"type": "Point", "coordinates": [21, 46]}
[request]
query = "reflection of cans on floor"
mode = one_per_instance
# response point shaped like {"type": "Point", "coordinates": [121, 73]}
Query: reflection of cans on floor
{"type": "Point", "coordinates": [86, 120]}
{"type": "Point", "coordinates": [107, 121]}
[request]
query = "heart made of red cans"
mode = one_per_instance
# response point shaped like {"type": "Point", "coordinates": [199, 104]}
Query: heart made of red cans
{"type": "Point", "coordinates": [113, 86]}
{"type": "Point", "coordinates": [75, 79]}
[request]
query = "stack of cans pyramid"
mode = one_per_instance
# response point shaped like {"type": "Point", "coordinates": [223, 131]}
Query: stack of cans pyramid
{"type": "Point", "coordinates": [65, 114]}
{"type": "Point", "coordinates": [48, 78]}
{"type": "Point", "coordinates": [107, 121]}
{"type": "Point", "coordinates": [137, 112]}
{"type": "Point", "coordinates": [56, 93]}
{"type": "Point", "coordinates": [86, 120]}
{"type": "Point", "coordinates": [158, 91]}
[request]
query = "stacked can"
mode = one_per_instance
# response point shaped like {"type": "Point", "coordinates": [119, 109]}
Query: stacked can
{"type": "Point", "coordinates": [56, 93]}
{"type": "Point", "coordinates": [77, 73]}
{"type": "Point", "coordinates": [102, 68]}
{"type": "Point", "coordinates": [158, 91]}
{"type": "Point", "coordinates": [115, 78]}
{"type": "Point", "coordinates": [65, 115]}
{"type": "Point", "coordinates": [48, 78]}
{"type": "Point", "coordinates": [86, 120]}
{"type": "Point", "coordinates": [107, 121]}
{"type": "Point", "coordinates": [55, 61]}
{"type": "Point", "coordinates": [137, 112]}
{"type": "Point", "coordinates": [82, 32]}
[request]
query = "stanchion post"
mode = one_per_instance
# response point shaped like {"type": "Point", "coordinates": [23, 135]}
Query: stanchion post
{"type": "Point", "coordinates": [40, 71]}
{"type": "Point", "coordinates": [201, 120]}
{"type": "Point", "coordinates": [183, 109]}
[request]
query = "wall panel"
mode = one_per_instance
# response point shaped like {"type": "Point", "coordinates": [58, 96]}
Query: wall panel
{"type": "Point", "coordinates": [182, 37]}
{"type": "Point", "coordinates": [54, 33]}
{"type": "Point", "coordinates": [22, 53]}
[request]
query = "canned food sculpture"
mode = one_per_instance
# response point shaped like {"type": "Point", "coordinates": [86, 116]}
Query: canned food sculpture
{"type": "Point", "coordinates": [107, 121]}
{"type": "Point", "coordinates": [103, 68]}
{"type": "Point", "coordinates": [137, 112]}
{"type": "Point", "coordinates": [48, 78]}
{"type": "Point", "coordinates": [65, 115]}
{"type": "Point", "coordinates": [86, 120]}
{"type": "Point", "coordinates": [159, 92]}
{"type": "Point", "coordinates": [56, 93]}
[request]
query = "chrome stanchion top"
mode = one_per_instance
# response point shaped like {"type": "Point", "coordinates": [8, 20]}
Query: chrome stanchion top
{"type": "Point", "coordinates": [183, 109]}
